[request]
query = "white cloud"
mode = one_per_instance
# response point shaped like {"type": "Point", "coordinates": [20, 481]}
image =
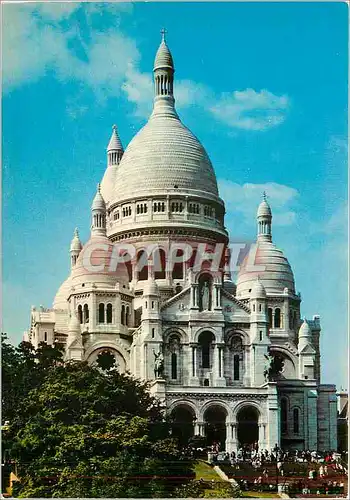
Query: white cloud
{"type": "Point", "coordinates": [43, 37]}
{"type": "Point", "coordinates": [246, 198]}
{"type": "Point", "coordinates": [251, 110]}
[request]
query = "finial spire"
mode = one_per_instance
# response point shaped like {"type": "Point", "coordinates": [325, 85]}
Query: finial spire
{"type": "Point", "coordinates": [264, 196]}
{"type": "Point", "coordinates": [114, 127]}
{"type": "Point", "coordinates": [163, 33]}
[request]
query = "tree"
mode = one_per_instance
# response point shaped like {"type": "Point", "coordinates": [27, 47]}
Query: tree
{"type": "Point", "coordinates": [93, 433]}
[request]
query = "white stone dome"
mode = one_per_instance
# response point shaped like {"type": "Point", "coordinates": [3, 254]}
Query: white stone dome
{"type": "Point", "coordinates": [163, 57]}
{"type": "Point", "coordinates": [264, 209]}
{"type": "Point", "coordinates": [94, 264]}
{"type": "Point", "coordinates": [164, 157]}
{"type": "Point", "coordinates": [305, 330]}
{"type": "Point", "coordinates": [151, 288]}
{"type": "Point", "coordinates": [61, 297]}
{"type": "Point", "coordinates": [258, 290]}
{"type": "Point", "coordinates": [272, 268]}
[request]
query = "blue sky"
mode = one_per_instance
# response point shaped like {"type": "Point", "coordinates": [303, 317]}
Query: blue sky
{"type": "Point", "coordinates": [263, 86]}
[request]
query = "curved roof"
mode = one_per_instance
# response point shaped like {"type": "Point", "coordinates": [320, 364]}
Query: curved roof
{"type": "Point", "coordinates": [264, 209]}
{"type": "Point", "coordinates": [163, 57]}
{"type": "Point", "coordinates": [96, 266]}
{"type": "Point", "coordinates": [61, 297]}
{"type": "Point", "coordinates": [267, 262]}
{"type": "Point", "coordinates": [164, 156]}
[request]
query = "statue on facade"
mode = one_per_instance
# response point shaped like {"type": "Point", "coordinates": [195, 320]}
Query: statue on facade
{"type": "Point", "coordinates": [268, 367]}
{"type": "Point", "coordinates": [205, 296]}
{"type": "Point", "coordinates": [273, 367]}
{"type": "Point", "coordinates": [158, 364]}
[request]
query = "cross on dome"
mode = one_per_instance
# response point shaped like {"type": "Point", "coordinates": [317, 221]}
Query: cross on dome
{"type": "Point", "coordinates": [265, 196]}
{"type": "Point", "coordinates": [163, 33]}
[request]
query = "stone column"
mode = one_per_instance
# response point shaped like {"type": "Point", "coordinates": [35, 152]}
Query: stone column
{"type": "Point", "coordinates": [273, 417]}
{"type": "Point", "coordinates": [197, 429]}
{"type": "Point", "coordinates": [195, 297]}
{"type": "Point", "coordinates": [234, 440]}
{"type": "Point", "coordinates": [194, 368]}
{"type": "Point", "coordinates": [312, 419]}
{"type": "Point", "coordinates": [218, 378]}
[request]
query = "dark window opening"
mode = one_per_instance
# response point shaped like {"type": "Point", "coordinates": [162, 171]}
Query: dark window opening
{"type": "Point", "coordinates": [101, 313]}
{"type": "Point", "coordinates": [109, 313]}
{"type": "Point", "coordinates": [174, 366]}
{"type": "Point", "coordinates": [236, 367]}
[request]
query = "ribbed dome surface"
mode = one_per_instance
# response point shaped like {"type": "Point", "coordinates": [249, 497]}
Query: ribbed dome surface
{"type": "Point", "coordinates": [264, 209]}
{"type": "Point", "coordinates": [275, 273]}
{"type": "Point", "coordinates": [163, 57]}
{"type": "Point", "coordinates": [164, 156]}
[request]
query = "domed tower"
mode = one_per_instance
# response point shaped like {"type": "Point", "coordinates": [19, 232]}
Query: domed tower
{"type": "Point", "coordinates": [75, 248]}
{"type": "Point", "coordinates": [306, 352]}
{"type": "Point", "coordinates": [114, 155]}
{"type": "Point", "coordinates": [165, 188]}
{"type": "Point", "coordinates": [268, 262]}
{"type": "Point", "coordinates": [258, 332]}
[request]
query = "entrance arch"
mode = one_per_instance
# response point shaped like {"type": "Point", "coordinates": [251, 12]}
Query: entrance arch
{"type": "Point", "coordinates": [215, 426]}
{"type": "Point", "coordinates": [182, 423]}
{"type": "Point", "coordinates": [247, 428]}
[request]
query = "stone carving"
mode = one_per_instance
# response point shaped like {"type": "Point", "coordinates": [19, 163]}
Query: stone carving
{"type": "Point", "coordinates": [273, 367]}
{"type": "Point", "coordinates": [158, 364]}
{"type": "Point", "coordinates": [205, 297]}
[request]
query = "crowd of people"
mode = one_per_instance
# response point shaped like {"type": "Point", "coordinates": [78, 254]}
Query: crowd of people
{"type": "Point", "coordinates": [322, 473]}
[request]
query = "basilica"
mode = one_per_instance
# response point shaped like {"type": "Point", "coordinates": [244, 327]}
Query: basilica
{"type": "Point", "coordinates": [231, 358]}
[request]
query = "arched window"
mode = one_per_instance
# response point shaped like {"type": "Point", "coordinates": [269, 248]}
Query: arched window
{"type": "Point", "coordinates": [80, 314]}
{"type": "Point", "coordinates": [205, 341]}
{"type": "Point", "coordinates": [142, 265]}
{"type": "Point", "coordinates": [122, 315]}
{"type": "Point", "coordinates": [159, 264]}
{"type": "Point", "coordinates": [109, 313]}
{"type": "Point", "coordinates": [101, 313]}
{"type": "Point", "coordinates": [260, 308]}
{"type": "Point", "coordinates": [296, 421]}
{"type": "Point", "coordinates": [236, 367]}
{"type": "Point", "coordinates": [178, 267]}
{"type": "Point", "coordinates": [45, 336]}
{"type": "Point", "coordinates": [284, 415]}
{"type": "Point", "coordinates": [86, 313]}
{"type": "Point", "coordinates": [261, 335]}
{"type": "Point", "coordinates": [206, 382]}
{"type": "Point", "coordinates": [253, 307]}
{"type": "Point", "coordinates": [174, 366]}
{"type": "Point", "coordinates": [277, 318]}
{"type": "Point", "coordinates": [127, 314]}
{"type": "Point", "coordinates": [269, 312]}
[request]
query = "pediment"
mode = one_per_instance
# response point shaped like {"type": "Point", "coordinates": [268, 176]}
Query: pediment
{"type": "Point", "coordinates": [231, 305]}
{"type": "Point", "coordinates": [307, 349]}
{"type": "Point", "coordinates": [178, 303]}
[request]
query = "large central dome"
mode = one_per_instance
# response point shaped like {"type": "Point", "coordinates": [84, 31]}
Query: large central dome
{"type": "Point", "coordinates": [164, 157]}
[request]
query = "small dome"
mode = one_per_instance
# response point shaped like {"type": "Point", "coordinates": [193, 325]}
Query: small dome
{"type": "Point", "coordinates": [76, 243]}
{"type": "Point", "coordinates": [115, 143]}
{"type": "Point", "coordinates": [268, 262]}
{"type": "Point", "coordinates": [96, 266]}
{"type": "Point", "coordinates": [264, 209]}
{"type": "Point", "coordinates": [258, 290]}
{"type": "Point", "coordinates": [98, 203]}
{"type": "Point", "coordinates": [305, 330]}
{"type": "Point", "coordinates": [151, 288]}
{"type": "Point", "coordinates": [163, 57]}
{"type": "Point", "coordinates": [61, 299]}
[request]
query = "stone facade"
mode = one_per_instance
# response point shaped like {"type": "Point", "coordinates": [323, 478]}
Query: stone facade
{"type": "Point", "coordinates": [206, 344]}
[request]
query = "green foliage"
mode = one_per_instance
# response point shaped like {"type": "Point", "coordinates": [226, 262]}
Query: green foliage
{"type": "Point", "coordinates": [78, 431]}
